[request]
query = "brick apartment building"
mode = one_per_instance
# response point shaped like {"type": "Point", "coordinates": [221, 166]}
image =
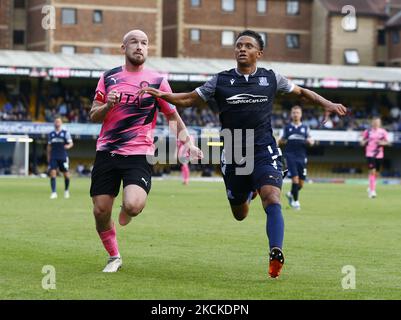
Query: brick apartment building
{"type": "Point", "coordinates": [81, 26]}
{"type": "Point", "coordinates": [371, 38]}
{"type": "Point", "coordinates": [314, 31]}
{"type": "Point", "coordinates": [6, 24]}
{"type": "Point", "coordinates": [284, 25]}
{"type": "Point", "coordinates": [306, 31]}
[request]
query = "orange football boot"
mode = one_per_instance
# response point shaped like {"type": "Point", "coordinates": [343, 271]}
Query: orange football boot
{"type": "Point", "coordinates": [276, 262]}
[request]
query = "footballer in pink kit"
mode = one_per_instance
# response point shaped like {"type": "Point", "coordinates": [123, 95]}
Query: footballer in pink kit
{"type": "Point", "coordinates": [184, 158]}
{"type": "Point", "coordinates": [374, 140]}
{"type": "Point", "coordinates": [125, 142]}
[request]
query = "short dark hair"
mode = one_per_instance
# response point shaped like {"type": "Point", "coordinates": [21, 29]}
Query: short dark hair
{"type": "Point", "coordinates": [253, 34]}
{"type": "Point", "coordinates": [296, 107]}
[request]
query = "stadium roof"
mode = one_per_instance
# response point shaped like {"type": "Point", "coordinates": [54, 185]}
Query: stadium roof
{"type": "Point", "coordinates": [31, 63]}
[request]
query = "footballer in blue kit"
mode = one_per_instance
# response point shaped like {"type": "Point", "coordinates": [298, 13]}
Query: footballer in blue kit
{"type": "Point", "coordinates": [59, 141]}
{"type": "Point", "coordinates": [296, 137]}
{"type": "Point", "coordinates": [244, 97]}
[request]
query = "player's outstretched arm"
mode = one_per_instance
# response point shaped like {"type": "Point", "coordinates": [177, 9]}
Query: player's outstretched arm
{"type": "Point", "coordinates": [313, 97]}
{"type": "Point", "coordinates": [185, 99]}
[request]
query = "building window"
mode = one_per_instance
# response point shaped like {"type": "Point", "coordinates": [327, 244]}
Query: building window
{"type": "Point", "coordinates": [351, 56]}
{"type": "Point", "coordinates": [195, 3]}
{"type": "Point", "coordinates": [292, 7]}
{"type": "Point", "coordinates": [264, 38]}
{"type": "Point", "coordinates": [381, 37]}
{"type": "Point", "coordinates": [68, 49]}
{"type": "Point", "coordinates": [97, 50]}
{"type": "Point", "coordinates": [395, 36]}
{"type": "Point", "coordinates": [19, 4]}
{"type": "Point", "coordinates": [261, 6]}
{"type": "Point", "coordinates": [19, 37]}
{"type": "Point", "coordinates": [227, 38]}
{"type": "Point", "coordinates": [68, 16]}
{"type": "Point", "coordinates": [293, 41]}
{"type": "Point", "coordinates": [194, 35]}
{"type": "Point", "coordinates": [97, 16]}
{"type": "Point", "coordinates": [228, 5]}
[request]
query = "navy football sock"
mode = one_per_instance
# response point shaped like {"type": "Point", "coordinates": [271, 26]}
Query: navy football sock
{"type": "Point", "coordinates": [53, 184]}
{"type": "Point", "coordinates": [275, 225]}
{"type": "Point", "coordinates": [295, 191]}
{"type": "Point", "coordinates": [66, 183]}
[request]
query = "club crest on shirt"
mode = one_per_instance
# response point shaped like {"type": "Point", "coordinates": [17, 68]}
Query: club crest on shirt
{"type": "Point", "coordinates": [144, 84]}
{"type": "Point", "coordinates": [263, 82]}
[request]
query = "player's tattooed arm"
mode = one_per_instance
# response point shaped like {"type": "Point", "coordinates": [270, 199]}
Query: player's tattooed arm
{"type": "Point", "coordinates": [99, 110]}
{"type": "Point", "coordinates": [313, 97]}
{"type": "Point", "coordinates": [186, 99]}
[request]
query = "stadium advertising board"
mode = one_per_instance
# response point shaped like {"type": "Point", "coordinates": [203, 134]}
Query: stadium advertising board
{"type": "Point", "coordinates": [326, 83]}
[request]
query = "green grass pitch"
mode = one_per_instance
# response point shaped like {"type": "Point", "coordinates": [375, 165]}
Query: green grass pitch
{"type": "Point", "coordinates": [186, 245]}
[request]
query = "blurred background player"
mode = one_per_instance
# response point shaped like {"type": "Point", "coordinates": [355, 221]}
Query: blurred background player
{"type": "Point", "coordinates": [184, 158]}
{"type": "Point", "coordinates": [59, 141]}
{"type": "Point", "coordinates": [126, 140]}
{"type": "Point", "coordinates": [296, 136]}
{"type": "Point", "coordinates": [374, 139]}
{"type": "Point", "coordinates": [245, 97]}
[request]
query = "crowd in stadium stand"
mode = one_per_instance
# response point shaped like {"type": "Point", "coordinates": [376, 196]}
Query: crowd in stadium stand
{"type": "Point", "coordinates": [15, 109]}
{"type": "Point", "coordinates": [358, 118]}
{"type": "Point", "coordinates": [202, 117]}
{"type": "Point", "coordinates": [73, 105]}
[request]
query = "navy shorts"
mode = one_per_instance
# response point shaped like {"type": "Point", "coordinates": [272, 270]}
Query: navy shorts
{"type": "Point", "coordinates": [296, 166]}
{"type": "Point", "coordinates": [61, 164]}
{"type": "Point", "coordinates": [267, 170]}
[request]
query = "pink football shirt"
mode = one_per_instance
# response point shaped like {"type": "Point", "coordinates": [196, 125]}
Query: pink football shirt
{"type": "Point", "coordinates": [128, 126]}
{"type": "Point", "coordinates": [373, 150]}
